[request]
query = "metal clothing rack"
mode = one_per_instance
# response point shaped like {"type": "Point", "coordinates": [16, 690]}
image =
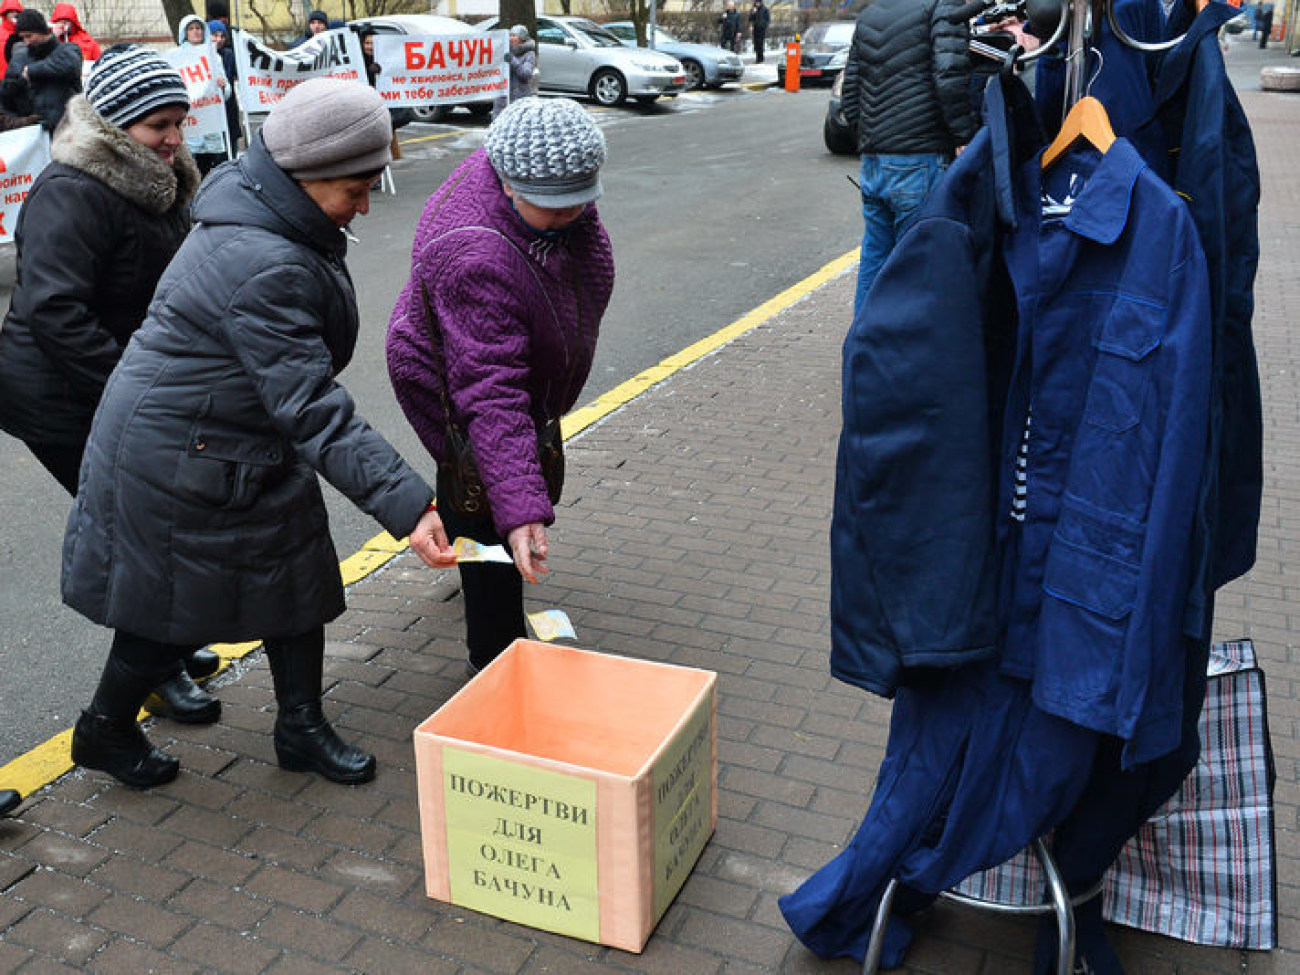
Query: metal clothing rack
{"type": "Point", "coordinates": [1078, 20]}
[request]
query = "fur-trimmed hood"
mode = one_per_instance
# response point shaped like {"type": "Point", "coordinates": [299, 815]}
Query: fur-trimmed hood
{"type": "Point", "coordinates": [86, 142]}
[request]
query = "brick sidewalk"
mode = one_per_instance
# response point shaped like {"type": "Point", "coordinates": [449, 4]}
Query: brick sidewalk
{"type": "Point", "coordinates": [693, 531]}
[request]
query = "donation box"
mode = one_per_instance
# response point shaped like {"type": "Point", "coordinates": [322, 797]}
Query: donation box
{"type": "Point", "coordinates": [570, 791]}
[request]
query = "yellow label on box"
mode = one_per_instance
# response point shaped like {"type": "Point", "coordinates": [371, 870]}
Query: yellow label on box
{"type": "Point", "coordinates": [683, 794]}
{"type": "Point", "coordinates": [521, 843]}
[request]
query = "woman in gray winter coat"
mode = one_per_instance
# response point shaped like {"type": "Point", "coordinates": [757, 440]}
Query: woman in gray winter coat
{"type": "Point", "coordinates": [99, 226]}
{"type": "Point", "coordinates": [199, 517]}
{"type": "Point", "coordinates": [522, 58]}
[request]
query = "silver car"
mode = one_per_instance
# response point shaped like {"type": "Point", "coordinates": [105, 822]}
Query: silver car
{"type": "Point", "coordinates": [707, 65]}
{"type": "Point", "coordinates": [576, 56]}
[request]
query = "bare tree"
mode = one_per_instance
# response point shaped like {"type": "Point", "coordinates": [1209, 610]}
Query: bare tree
{"type": "Point", "coordinates": [176, 11]}
{"type": "Point", "coordinates": [521, 12]}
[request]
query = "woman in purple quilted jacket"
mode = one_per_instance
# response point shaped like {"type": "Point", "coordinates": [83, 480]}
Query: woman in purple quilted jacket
{"type": "Point", "coordinates": [493, 337]}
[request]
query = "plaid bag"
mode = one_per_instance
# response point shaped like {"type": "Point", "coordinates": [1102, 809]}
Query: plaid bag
{"type": "Point", "coordinates": [1203, 868]}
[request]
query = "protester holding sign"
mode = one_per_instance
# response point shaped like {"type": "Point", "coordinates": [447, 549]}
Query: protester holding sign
{"type": "Point", "coordinates": [493, 337]}
{"type": "Point", "coordinates": [200, 515]}
{"type": "Point", "coordinates": [208, 150]}
{"type": "Point", "coordinates": [97, 229]}
{"type": "Point", "coordinates": [522, 58]}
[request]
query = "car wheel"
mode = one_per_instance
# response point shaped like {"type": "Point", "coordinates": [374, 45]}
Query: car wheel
{"type": "Point", "coordinates": [608, 87]}
{"type": "Point", "coordinates": [432, 113]}
{"type": "Point", "coordinates": [694, 74]}
{"type": "Point", "coordinates": [838, 139]}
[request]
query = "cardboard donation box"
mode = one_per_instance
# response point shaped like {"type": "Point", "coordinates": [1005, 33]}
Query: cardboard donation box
{"type": "Point", "coordinates": [570, 791]}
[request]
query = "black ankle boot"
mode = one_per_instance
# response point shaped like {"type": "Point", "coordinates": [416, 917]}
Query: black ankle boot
{"type": "Point", "coordinates": [122, 751]}
{"type": "Point", "coordinates": [180, 699]}
{"type": "Point", "coordinates": [202, 663]}
{"type": "Point", "coordinates": [10, 799]}
{"type": "Point", "coordinates": [106, 736]}
{"type": "Point", "coordinates": [306, 742]}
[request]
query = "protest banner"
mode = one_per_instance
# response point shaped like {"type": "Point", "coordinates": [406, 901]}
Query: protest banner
{"type": "Point", "coordinates": [265, 75]}
{"type": "Point", "coordinates": [422, 69]}
{"type": "Point", "coordinates": [23, 154]}
{"type": "Point", "coordinates": [207, 106]}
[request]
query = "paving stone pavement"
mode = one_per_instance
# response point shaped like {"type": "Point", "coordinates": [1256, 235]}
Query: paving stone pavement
{"type": "Point", "coordinates": [693, 531]}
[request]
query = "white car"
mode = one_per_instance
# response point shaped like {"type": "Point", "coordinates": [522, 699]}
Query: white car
{"type": "Point", "coordinates": [576, 56]}
{"type": "Point", "coordinates": [431, 25]}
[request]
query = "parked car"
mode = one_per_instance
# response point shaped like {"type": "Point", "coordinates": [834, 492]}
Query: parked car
{"type": "Point", "coordinates": [825, 52]}
{"type": "Point", "coordinates": [707, 65]}
{"type": "Point", "coordinates": [837, 135]}
{"type": "Point", "coordinates": [436, 26]}
{"type": "Point", "coordinates": [576, 56]}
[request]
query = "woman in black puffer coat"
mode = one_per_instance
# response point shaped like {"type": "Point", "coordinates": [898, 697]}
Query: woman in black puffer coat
{"type": "Point", "coordinates": [199, 516]}
{"type": "Point", "coordinates": [99, 225]}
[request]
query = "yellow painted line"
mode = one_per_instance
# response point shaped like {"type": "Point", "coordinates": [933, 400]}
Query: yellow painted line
{"type": "Point", "coordinates": [429, 138]}
{"type": "Point", "coordinates": [625, 392]}
{"type": "Point", "coordinates": [46, 762]}
{"type": "Point", "coordinates": [40, 766]}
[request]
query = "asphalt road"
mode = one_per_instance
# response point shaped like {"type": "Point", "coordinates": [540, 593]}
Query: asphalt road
{"type": "Point", "coordinates": [715, 202]}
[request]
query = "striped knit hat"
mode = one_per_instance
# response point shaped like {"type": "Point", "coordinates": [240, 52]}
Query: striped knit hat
{"type": "Point", "coordinates": [129, 81]}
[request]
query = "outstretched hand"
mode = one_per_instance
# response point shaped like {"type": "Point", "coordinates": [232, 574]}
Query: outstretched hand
{"type": "Point", "coordinates": [429, 541]}
{"type": "Point", "coordinates": [528, 546]}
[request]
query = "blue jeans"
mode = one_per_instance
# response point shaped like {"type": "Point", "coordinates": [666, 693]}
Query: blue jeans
{"type": "Point", "coordinates": [893, 187]}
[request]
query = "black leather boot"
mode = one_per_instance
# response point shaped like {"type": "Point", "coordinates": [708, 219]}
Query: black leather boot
{"type": "Point", "coordinates": [180, 699]}
{"type": "Point", "coordinates": [107, 738]}
{"type": "Point", "coordinates": [10, 799]}
{"type": "Point", "coordinates": [202, 663]}
{"type": "Point", "coordinates": [304, 740]}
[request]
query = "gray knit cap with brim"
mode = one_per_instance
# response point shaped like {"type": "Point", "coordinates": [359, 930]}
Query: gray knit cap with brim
{"type": "Point", "coordinates": [548, 150]}
{"type": "Point", "coordinates": [328, 128]}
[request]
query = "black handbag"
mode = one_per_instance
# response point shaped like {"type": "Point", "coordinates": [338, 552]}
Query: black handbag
{"type": "Point", "coordinates": [461, 485]}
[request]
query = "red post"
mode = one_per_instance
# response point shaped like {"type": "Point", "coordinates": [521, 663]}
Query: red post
{"type": "Point", "coordinates": [793, 55]}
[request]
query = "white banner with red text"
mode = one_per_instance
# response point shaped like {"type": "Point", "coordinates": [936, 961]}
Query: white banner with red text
{"type": "Point", "coordinates": [200, 69]}
{"type": "Point", "coordinates": [23, 154]}
{"type": "Point", "coordinates": [422, 69]}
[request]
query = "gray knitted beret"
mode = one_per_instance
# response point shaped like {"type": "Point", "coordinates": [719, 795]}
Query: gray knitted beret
{"type": "Point", "coordinates": [327, 127]}
{"type": "Point", "coordinates": [548, 150]}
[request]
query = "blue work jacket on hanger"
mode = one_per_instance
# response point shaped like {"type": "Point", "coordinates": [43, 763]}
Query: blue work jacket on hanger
{"type": "Point", "coordinates": [1118, 360]}
{"type": "Point", "coordinates": [1113, 367]}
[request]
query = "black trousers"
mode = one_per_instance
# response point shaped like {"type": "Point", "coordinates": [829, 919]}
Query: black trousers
{"type": "Point", "coordinates": [147, 656]}
{"type": "Point", "coordinates": [493, 592]}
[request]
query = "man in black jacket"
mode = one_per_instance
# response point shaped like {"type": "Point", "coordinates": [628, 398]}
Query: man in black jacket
{"type": "Point", "coordinates": [759, 19]}
{"type": "Point", "coordinates": [43, 73]}
{"type": "Point", "coordinates": [907, 96]}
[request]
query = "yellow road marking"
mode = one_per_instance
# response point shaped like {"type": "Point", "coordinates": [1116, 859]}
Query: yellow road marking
{"type": "Point", "coordinates": [429, 138]}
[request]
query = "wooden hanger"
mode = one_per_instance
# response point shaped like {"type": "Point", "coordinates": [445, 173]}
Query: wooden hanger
{"type": "Point", "coordinates": [1086, 120]}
